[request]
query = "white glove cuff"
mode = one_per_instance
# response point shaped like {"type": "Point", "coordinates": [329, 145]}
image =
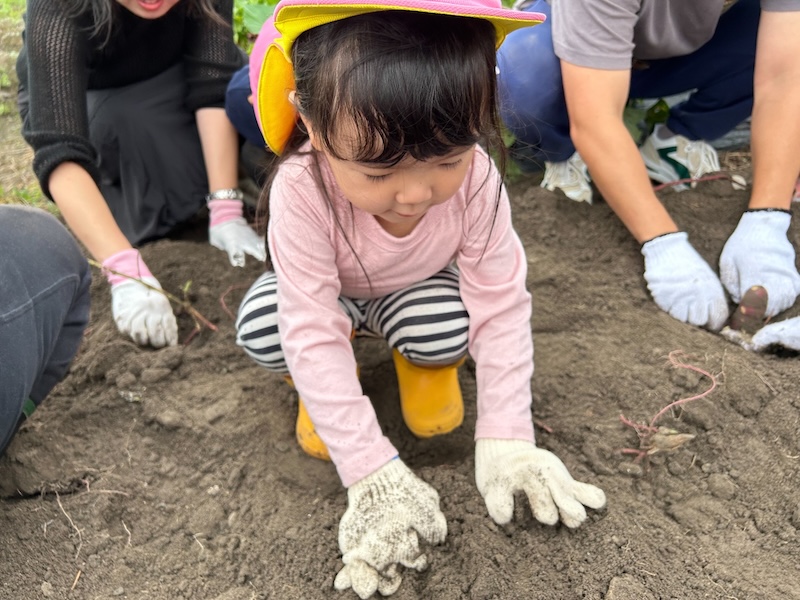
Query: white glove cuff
{"type": "Point", "coordinates": [764, 224]}
{"type": "Point", "coordinates": [385, 478]}
{"type": "Point", "coordinates": [487, 449]}
{"type": "Point", "coordinates": [665, 247]}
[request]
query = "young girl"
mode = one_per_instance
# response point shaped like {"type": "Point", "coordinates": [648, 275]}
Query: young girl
{"type": "Point", "coordinates": [387, 217]}
{"type": "Point", "coordinates": [122, 102]}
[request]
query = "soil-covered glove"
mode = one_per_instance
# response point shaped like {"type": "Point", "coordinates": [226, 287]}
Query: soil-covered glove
{"type": "Point", "coordinates": [682, 283]}
{"type": "Point", "coordinates": [228, 231]}
{"type": "Point", "coordinates": [140, 312]}
{"type": "Point", "coordinates": [759, 253]}
{"type": "Point", "coordinates": [387, 513]}
{"type": "Point", "coordinates": [504, 467]}
{"type": "Point", "coordinates": [783, 333]}
{"type": "Point", "coordinates": [143, 313]}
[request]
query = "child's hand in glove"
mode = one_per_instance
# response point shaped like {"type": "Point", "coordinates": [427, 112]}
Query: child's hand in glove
{"type": "Point", "coordinates": [682, 283]}
{"type": "Point", "coordinates": [228, 231]}
{"type": "Point", "coordinates": [759, 253]}
{"type": "Point", "coordinates": [503, 467]}
{"type": "Point", "coordinates": [387, 513]}
{"type": "Point", "coordinates": [143, 313]}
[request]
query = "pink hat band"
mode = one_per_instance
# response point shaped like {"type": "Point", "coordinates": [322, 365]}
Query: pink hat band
{"type": "Point", "coordinates": [271, 77]}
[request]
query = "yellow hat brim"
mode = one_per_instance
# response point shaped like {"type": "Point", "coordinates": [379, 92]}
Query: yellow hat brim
{"type": "Point", "coordinates": [276, 112]}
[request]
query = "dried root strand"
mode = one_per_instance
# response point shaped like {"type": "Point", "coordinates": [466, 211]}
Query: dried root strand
{"type": "Point", "coordinates": [653, 438]}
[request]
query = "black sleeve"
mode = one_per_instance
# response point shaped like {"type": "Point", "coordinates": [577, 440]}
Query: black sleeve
{"type": "Point", "coordinates": [211, 58]}
{"type": "Point", "coordinates": [55, 123]}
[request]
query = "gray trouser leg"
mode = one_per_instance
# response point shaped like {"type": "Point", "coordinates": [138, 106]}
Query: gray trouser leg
{"type": "Point", "coordinates": [44, 309]}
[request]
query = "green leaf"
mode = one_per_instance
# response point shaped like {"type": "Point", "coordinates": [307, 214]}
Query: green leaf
{"type": "Point", "coordinates": [255, 15]}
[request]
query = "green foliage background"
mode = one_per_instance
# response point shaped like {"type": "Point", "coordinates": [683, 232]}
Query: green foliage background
{"type": "Point", "coordinates": [249, 15]}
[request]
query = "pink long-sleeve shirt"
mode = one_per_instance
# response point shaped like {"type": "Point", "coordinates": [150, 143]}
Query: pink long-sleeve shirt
{"type": "Point", "coordinates": [315, 264]}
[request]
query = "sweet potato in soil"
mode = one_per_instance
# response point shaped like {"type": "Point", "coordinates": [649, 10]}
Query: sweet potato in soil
{"type": "Point", "coordinates": [174, 473]}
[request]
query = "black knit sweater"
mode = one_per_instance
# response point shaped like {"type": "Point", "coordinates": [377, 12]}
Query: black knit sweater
{"type": "Point", "coordinates": [60, 61]}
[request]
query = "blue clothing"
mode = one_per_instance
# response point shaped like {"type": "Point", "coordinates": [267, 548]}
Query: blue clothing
{"type": "Point", "coordinates": [533, 107]}
{"type": "Point", "coordinates": [240, 110]}
{"type": "Point", "coordinates": [44, 309]}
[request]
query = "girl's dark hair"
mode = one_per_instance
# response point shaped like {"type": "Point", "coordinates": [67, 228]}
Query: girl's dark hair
{"type": "Point", "coordinates": [413, 84]}
{"type": "Point", "coordinates": [103, 14]}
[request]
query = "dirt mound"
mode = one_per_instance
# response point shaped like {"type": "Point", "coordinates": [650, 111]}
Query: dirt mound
{"type": "Point", "coordinates": [174, 473]}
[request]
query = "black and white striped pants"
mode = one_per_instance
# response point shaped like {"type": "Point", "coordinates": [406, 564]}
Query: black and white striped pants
{"type": "Point", "coordinates": [426, 322]}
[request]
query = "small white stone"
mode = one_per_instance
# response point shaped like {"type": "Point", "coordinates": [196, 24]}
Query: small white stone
{"type": "Point", "coordinates": [738, 182]}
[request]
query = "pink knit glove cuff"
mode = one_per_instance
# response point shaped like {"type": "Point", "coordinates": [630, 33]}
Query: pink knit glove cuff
{"type": "Point", "coordinates": [127, 262]}
{"type": "Point", "coordinates": [221, 211]}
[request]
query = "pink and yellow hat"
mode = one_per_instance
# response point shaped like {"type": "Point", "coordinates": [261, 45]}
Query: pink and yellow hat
{"type": "Point", "coordinates": [271, 76]}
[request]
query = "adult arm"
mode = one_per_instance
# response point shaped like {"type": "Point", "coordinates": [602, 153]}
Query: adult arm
{"type": "Point", "coordinates": [227, 229]}
{"type": "Point", "coordinates": [57, 126]}
{"type": "Point", "coordinates": [775, 132]}
{"type": "Point", "coordinates": [82, 205]}
{"type": "Point", "coordinates": [596, 100]}
{"type": "Point", "coordinates": [678, 278]}
{"type": "Point", "coordinates": [220, 144]}
{"type": "Point", "coordinates": [759, 251]}
{"type": "Point", "coordinates": [139, 310]}
{"type": "Point", "coordinates": [211, 58]}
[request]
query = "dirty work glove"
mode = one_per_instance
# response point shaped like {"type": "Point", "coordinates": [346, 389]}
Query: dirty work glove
{"type": "Point", "coordinates": [228, 230]}
{"type": "Point", "coordinates": [682, 283]}
{"type": "Point", "coordinates": [783, 333]}
{"type": "Point", "coordinates": [140, 312]}
{"type": "Point", "coordinates": [759, 253]}
{"type": "Point", "coordinates": [503, 467]}
{"type": "Point", "coordinates": [387, 513]}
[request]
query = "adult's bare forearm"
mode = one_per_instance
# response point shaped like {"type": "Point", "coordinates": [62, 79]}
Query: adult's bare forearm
{"type": "Point", "coordinates": [85, 211]}
{"type": "Point", "coordinates": [220, 144]}
{"type": "Point", "coordinates": [619, 173]}
{"type": "Point", "coordinates": [775, 134]}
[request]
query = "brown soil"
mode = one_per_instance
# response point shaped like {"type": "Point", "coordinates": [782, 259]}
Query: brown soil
{"type": "Point", "coordinates": [174, 473]}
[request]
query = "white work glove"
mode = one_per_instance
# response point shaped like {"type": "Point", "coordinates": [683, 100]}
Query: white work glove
{"type": "Point", "coordinates": [237, 238]}
{"type": "Point", "coordinates": [783, 333]}
{"type": "Point", "coordinates": [759, 253]}
{"type": "Point", "coordinates": [682, 283]}
{"type": "Point", "coordinates": [387, 513]}
{"type": "Point", "coordinates": [504, 467]}
{"type": "Point", "coordinates": [140, 312]}
{"type": "Point", "coordinates": [144, 314]}
{"type": "Point", "coordinates": [229, 231]}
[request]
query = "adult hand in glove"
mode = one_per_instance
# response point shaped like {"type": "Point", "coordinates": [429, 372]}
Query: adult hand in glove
{"type": "Point", "coordinates": [682, 283]}
{"type": "Point", "coordinates": [503, 467]}
{"type": "Point", "coordinates": [228, 231]}
{"type": "Point", "coordinates": [143, 313]}
{"type": "Point", "coordinates": [783, 333]}
{"type": "Point", "coordinates": [387, 513]}
{"type": "Point", "coordinates": [759, 253]}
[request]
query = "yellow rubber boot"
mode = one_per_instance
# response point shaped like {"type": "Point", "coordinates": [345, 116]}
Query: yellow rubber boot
{"type": "Point", "coordinates": [305, 432]}
{"type": "Point", "coordinates": [430, 397]}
